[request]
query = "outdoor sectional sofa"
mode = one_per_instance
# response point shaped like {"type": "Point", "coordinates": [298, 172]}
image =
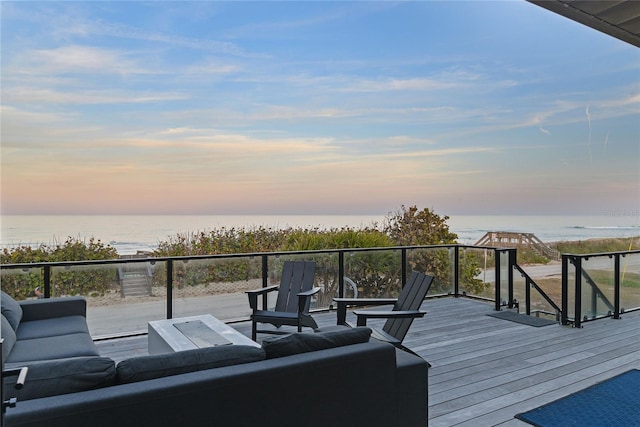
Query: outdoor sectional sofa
{"type": "Point", "coordinates": [337, 378]}
{"type": "Point", "coordinates": [44, 329]}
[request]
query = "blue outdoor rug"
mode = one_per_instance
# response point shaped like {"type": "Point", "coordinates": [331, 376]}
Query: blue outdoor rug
{"type": "Point", "coordinates": [613, 402]}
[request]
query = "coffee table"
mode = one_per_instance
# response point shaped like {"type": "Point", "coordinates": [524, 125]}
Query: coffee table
{"type": "Point", "coordinates": [188, 333]}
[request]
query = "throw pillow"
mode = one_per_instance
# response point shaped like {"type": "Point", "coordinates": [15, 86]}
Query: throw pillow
{"type": "Point", "coordinates": [288, 345]}
{"type": "Point", "coordinates": [54, 377]}
{"type": "Point", "coordinates": [11, 310]}
{"type": "Point", "coordinates": [163, 365]}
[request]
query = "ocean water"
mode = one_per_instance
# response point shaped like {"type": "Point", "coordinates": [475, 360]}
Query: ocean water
{"type": "Point", "coordinates": [132, 233]}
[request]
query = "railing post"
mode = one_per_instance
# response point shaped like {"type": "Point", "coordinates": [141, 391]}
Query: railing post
{"type": "Point", "coordinates": [616, 287]}
{"type": "Point", "coordinates": [512, 262]}
{"type": "Point", "coordinates": [527, 293]}
{"type": "Point", "coordinates": [594, 301]}
{"type": "Point", "coordinates": [341, 274]}
{"type": "Point", "coordinates": [565, 290]}
{"type": "Point", "coordinates": [403, 261]}
{"type": "Point", "coordinates": [169, 289]}
{"type": "Point", "coordinates": [265, 279]}
{"type": "Point", "coordinates": [47, 281]}
{"type": "Point", "coordinates": [498, 302]}
{"type": "Point", "coordinates": [456, 270]}
{"type": "Point", "coordinates": [577, 262]}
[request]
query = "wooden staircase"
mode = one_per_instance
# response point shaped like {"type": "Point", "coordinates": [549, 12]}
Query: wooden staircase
{"type": "Point", "coordinates": [507, 239]}
{"type": "Point", "coordinates": [135, 280]}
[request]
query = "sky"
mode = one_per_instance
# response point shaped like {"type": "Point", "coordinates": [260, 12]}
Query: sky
{"type": "Point", "coordinates": [300, 107]}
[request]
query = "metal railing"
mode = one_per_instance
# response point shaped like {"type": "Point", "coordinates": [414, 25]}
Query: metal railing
{"type": "Point", "coordinates": [183, 284]}
{"type": "Point", "coordinates": [592, 286]}
{"type": "Point", "coordinates": [531, 285]}
{"type": "Point", "coordinates": [601, 285]}
{"type": "Point", "coordinates": [199, 282]}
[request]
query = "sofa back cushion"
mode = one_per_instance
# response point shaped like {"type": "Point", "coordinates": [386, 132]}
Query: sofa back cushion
{"type": "Point", "coordinates": [296, 343]}
{"type": "Point", "coordinates": [11, 310]}
{"type": "Point", "coordinates": [162, 365]}
{"type": "Point", "coordinates": [9, 336]}
{"type": "Point", "coordinates": [63, 376]}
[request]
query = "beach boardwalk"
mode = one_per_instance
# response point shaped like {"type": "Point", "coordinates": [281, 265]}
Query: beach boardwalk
{"type": "Point", "coordinates": [508, 239]}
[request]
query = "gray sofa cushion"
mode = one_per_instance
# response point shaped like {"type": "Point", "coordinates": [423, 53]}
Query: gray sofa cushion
{"type": "Point", "coordinates": [49, 348]}
{"type": "Point", "coordinates": [11, 310]}
{"type": "Point", "coordinates": [288, 345]}
{"type": "Point", "coordinates": [51, 378]}
{"type": "Point", "coordinates": [52, 327]}
{"type": "Point", "coordinates": [47, 308]}
{"type": "Point", "coordinates": [163, 365]}
{"type": "Point", "coordinates": [9, 338]}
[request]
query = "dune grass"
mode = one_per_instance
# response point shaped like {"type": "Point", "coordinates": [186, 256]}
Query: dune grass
{"type": "Point", "coordinates": [594, 246]}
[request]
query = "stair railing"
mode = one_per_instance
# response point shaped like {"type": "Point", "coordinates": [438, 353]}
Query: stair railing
{"type": "Point", "coordinates": [530, 283]}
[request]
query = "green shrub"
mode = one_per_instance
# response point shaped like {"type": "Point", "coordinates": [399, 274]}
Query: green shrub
{"type": "Point", "coordinates": [376, 273]}
{"type": "Point", "coordinates": [79, 281]}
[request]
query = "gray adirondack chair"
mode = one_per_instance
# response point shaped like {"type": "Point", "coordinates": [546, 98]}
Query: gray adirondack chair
{"type": "Point", "coordinates": [405, 308]}
{"type": "Point", "coordinates": [292, 304]}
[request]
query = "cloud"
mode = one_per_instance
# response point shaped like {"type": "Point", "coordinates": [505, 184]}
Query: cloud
{"type": "Point", "coordinates": [441, 152]}
{"type": "Point", "coordinates": [397, 84]}
{"type": "Point", "coordinates": [212, 66]}
{"type": "Point", "coordinates": [291, 25]}
{"type": "Point", "coordinates": [32, 95]}
{"type": "Point", "coordinates": [286, 112]}
{"type": "Point", "coordinates": [11, 115]}
{"type": "Point", "coordinates": [632, 101]}
{"type": "Point", "coordinates": [77, 59]}
{"type": "Point", "coordinates": [72, 23]}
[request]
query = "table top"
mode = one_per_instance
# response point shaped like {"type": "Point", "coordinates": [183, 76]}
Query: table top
{"type": "Point", "coordinates": [167, 332]}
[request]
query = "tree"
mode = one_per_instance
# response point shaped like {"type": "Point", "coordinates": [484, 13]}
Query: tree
{"type": "Point", "coordinates": [411, 227]}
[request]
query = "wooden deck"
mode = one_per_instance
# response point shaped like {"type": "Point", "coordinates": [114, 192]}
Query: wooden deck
{"type": "Point", "coordinates": [486, 370]}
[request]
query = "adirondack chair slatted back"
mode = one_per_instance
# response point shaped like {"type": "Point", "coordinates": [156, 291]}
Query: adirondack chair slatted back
{"type": "Point", "coordinates": [297, 276]}
{"type": "Point", "coordinates": [410, 298]}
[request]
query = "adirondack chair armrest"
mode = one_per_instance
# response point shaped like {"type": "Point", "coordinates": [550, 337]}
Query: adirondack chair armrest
{"type": "Point", "coordinates": [310, 292]}
{"type": "Point", "coordinates": [303, 297]}
{"type": "Point", "coordinates": [253, 295]}
{"type": "Point", "coordinates": [363, 315]}
{"type": "Point", "coordinates": [343, 303]}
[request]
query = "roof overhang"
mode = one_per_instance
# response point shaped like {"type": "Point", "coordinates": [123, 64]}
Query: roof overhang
{"type": "Point", "coordinates": [617, 18]}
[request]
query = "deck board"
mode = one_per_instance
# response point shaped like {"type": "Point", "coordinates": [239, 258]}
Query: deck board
{"type": "Point", "coordinates": [486, 370]}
